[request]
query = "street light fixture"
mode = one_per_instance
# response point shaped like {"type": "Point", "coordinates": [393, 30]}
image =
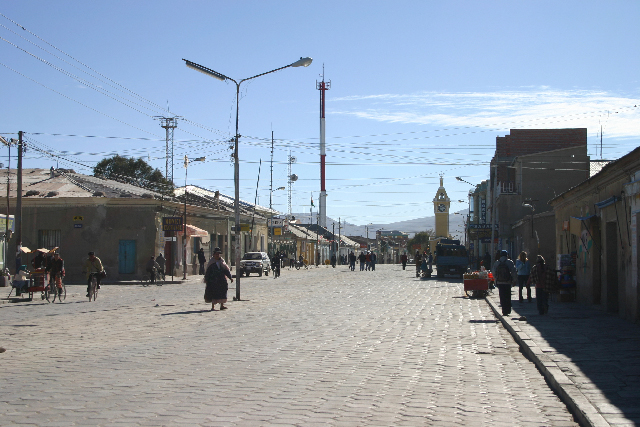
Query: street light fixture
{"type": "Point", "coordinates": [184, 237]}
{"type": "Point", "coordinates": [302, 62]}
{"type": "Point", "coordinates": [460, 179]}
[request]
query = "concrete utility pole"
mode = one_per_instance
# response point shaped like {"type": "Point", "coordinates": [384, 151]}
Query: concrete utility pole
{"type": "Point", "coordinates": [322, 87]}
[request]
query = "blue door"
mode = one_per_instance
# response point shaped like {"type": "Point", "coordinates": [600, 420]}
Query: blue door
{"type": "Point", "coordinates": [127, 257]}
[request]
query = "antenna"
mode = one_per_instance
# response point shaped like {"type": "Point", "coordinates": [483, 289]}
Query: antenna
{"type": "Point", "coordinates": [322, 206]}
{"type": "Point", "coordinates": [169, 124]}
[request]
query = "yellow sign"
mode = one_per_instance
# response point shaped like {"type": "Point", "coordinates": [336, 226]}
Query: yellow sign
{"type": "Point", "coordinates": [245, 227]}
{"type": "Point", "coordinates": [78, 218]}
{"type": "Point", "coordinates": [277, 231]}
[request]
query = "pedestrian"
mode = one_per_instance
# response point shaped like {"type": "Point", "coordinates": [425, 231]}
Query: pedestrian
{"type": "Point", "coordinates": [523, 267]}
{"type": "Point", "coordinates": [430, 261]}
{"type": "Point", "coordinates": [418, 260]}
{"type": "Point", "coordinates": [367, 260]}
{"type": "Point", "coordinates": [162, 263]}
{"type": "Point", "coordinates": [486, 261]}
{"type": "Point", "coordinates": [202, 259]}
{"type": "Point", "coordinates": [362, 259]}
{"type": "Point", "coordinates": [215, 277]}
{"type": "Point", "coordinates": [38, 261]}
{"type": "Point", "coordinates": [352, 261]}
{"type": "Point", "coordinates": [333, 260]}
{"type": "Point", "coordinates": [504, 274]}
{"type": "Point", "coordinates": [374, 258]}
{"type": "Point", "coordinates": [545, 281]}
{"type": "Point", "coordinates": [404, 259]}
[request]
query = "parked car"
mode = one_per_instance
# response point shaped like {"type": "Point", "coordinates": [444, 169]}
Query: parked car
{"type": "Point", "coordinates": [255, 262]}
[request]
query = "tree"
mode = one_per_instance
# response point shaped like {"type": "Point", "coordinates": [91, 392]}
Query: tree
{"type": "Point", "coordinates": [420, 239]}
{"type": "Point", "coordinates": [133, 171]}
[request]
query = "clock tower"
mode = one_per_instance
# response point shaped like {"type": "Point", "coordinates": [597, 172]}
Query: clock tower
{"type": "Point", "coordinates": [441, 209]}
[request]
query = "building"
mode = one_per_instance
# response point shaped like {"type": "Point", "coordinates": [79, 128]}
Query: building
{"type": "Point", "coordinates": [122, 223]}
{"type": "Point", "coordinates": [441, 203]}
{"type": "Point", "coordinates": [529, 168]}
{"type": "Point", "coordinates": [597, 233]}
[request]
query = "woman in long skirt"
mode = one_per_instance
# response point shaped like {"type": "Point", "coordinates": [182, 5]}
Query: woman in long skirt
{"type": "Point", "coordinates": [216, 279]}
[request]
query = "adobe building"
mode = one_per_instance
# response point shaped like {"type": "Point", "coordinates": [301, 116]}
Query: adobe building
{"type": "Point", "coordinates": [597, 230]}
{"type": "Point", "coordinates": [122, 223]}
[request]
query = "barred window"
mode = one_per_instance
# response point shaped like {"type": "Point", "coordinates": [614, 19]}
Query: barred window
{"type": "Point", "coordinates": [48, 238]}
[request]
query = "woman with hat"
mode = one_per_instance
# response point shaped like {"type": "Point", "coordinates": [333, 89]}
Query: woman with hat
{"type": "Point", "coordinates": [216, 289]}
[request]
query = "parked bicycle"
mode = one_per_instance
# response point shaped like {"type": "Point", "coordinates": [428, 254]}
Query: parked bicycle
{"type": "Point", "coordinates": [159, 278]}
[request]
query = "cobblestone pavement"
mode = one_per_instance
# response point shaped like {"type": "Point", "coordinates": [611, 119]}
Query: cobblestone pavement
{"type": "Point", "coordinates": [318, 347]}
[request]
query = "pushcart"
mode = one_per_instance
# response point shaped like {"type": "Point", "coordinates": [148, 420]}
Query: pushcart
{"type": "Point", "coordinates": [477, 287]}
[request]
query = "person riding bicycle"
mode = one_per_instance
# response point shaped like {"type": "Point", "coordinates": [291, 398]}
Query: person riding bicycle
{"type": "Point", "coordinates": [55, 268]}
{"type": "Point", "coordinates": [275, 264]}
{"type": "Point", "coordinates": [91, 266]}
{"type": "Point", "coordinates": [152, 268]}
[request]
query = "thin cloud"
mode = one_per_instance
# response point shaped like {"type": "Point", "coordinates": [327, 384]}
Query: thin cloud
{"type": "Point", "coordinates": [535, 107]}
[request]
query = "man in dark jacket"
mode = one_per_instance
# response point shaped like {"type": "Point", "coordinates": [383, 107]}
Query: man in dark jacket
{"type": "Point", "coordinates": [202, 260]}
{"type": "Point", "coordinates": [505, 275]}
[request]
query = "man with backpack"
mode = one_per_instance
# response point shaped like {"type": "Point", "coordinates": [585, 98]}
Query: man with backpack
{"type": "Point", "coordinates": [504, 274]}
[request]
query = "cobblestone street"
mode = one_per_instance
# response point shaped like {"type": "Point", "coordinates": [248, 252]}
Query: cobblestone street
{"type": "Point", "coordinates": [317, 347]}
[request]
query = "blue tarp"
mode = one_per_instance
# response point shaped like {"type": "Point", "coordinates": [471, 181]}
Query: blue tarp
{"type": "Point", "coordinates": [608, 202]}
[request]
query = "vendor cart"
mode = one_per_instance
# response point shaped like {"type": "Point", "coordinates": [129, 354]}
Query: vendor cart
{"type": "Point", "coordinates": [478, 287]}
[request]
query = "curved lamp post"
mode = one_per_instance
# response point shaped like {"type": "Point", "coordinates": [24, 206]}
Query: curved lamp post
{"type": "Point", "coordinates": [302, 62]}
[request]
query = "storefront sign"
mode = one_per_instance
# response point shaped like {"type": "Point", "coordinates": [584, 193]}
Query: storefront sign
{"type": "Point", "coordinates": [483, 211]}
{"type": "Point", "coordinates": [277, 231]}
{"type": "Point", "coordinates": [3, 223]}
{"type": "Point", "coordinates": [172, 223]}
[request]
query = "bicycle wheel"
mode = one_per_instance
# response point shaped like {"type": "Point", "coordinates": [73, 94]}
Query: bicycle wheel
{"type": "Point", "coordinates": [46, 294]}
{"type": "Point", "coordinates": [93, 289]}
{"type": "Point", "coordinates": [62, 295]}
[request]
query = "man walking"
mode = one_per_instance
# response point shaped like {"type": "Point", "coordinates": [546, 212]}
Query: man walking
{"type": "Point", "coordinates": [403, 259]}
{"type": "Point", "coordinates": [202, 261]}
{"type": "Point", "coordinates": [505, 275]}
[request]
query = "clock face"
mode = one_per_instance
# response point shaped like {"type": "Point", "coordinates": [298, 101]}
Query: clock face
{"type": "Point", "coordinates": [442, 207]}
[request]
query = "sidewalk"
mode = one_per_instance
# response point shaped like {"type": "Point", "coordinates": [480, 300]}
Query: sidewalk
{"type": "Point", "coordinates": [590, 358]}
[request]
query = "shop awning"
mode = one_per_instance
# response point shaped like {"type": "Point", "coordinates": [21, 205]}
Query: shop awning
{"type": "Point", "coordinates": [608, 202]}
{"type": "Point", "coordinates": [194, 231]}
{"type": "Point", "coordinates": [584, 218]}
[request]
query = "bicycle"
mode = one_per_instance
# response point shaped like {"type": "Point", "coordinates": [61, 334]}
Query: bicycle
{"type": "Point", "coordinates": [276, 271]}
{"type": "Point", "coordinates": [159, 278]}
{"type": "Point", "coordinates": [53, 290]}
{"type": "Point", "coordinates": [299, 264]}
{"type": "Point", "coordinates": [93, 287]}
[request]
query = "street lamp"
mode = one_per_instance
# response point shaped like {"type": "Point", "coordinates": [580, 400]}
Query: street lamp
{"type": "Point", "coordinates": [302, 62]}
{"type": "Point", "coordinates": [460, 179]}
{"type": "Point", "coordinates": [184, 237]}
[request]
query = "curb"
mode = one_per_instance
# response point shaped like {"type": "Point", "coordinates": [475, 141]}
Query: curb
{"type": "Point", "coordinates": [580, 407]}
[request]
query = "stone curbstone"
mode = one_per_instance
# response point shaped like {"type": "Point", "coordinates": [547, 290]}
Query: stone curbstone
{"type": "Point", "coordinates": [580, 407]}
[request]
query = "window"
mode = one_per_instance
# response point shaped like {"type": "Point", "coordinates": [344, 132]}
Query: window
{"type": "Point", "coordinates": [48, 239]}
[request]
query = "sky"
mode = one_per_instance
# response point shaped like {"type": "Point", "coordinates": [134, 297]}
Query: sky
{"type": "Point", "coordinates": [419, 89]}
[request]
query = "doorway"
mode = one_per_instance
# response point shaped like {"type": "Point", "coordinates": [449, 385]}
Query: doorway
{"type": "Point", "coordinates": [127, 257]}
{"type": "Point", "coordinates": [612, 266]}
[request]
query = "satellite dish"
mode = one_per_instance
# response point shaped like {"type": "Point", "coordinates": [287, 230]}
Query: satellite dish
{"type": "Point", "coordinates": [293, 177]}
{"type": "Point", "coordinates": [292, 159]}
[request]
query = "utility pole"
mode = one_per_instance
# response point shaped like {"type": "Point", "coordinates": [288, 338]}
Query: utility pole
{"type": "Point", "coordinates": [18, 215]}
{"type": "Point", "coordinates": [339, 238]}
{"type": "Point", "coordinates": [269, 238]}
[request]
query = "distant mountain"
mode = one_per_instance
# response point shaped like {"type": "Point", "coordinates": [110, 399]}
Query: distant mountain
{"type": "Point", "coordinates": [410, 226]}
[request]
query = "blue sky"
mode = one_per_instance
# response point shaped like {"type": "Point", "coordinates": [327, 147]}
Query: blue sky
{"type": "Point", "coordinates": [419, 89]}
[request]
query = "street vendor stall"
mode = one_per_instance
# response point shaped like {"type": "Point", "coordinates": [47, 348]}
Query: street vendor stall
{"type": "Point", "coordinates": [29, 282]}
{"type": "Point", "coordinates": [478, 283]}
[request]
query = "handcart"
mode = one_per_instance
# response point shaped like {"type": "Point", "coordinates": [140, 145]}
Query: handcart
{"type": "Point", "coordinates": [477, 286]}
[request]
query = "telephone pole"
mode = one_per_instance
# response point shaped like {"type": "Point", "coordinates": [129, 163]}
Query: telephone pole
{"type": "Point", "coordinates": [322, 206]}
